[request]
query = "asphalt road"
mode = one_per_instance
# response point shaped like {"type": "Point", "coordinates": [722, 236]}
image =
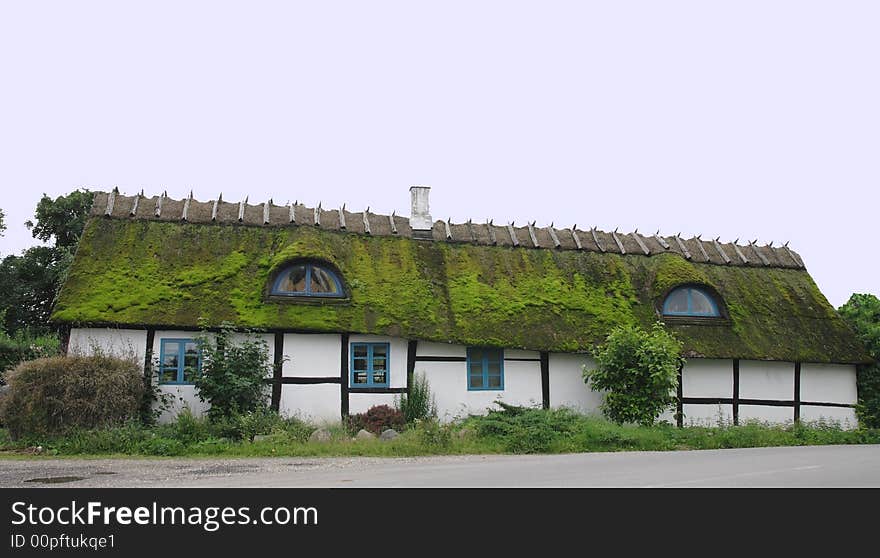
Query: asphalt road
{"type": "Point", "coordinates": [820, 466]}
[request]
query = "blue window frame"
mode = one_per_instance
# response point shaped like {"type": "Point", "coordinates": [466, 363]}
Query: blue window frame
{"type": "Point", "coordinates": [690, 301]}
{"type": "Point", "coordinates": [485, 368]}
{"type": "Point", "coordinates": [308, 280]}
{"type": "Point", "coordinates": [369, 364]}
{"type": "Point", "coordinates": [180, 361]}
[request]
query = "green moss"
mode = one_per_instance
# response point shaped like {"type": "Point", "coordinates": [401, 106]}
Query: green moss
{"type": "Point", "coordinates": [163, 273]}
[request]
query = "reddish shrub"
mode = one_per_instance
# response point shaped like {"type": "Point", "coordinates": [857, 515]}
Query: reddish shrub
{"type": "Point", "coordinates": [376, 419]}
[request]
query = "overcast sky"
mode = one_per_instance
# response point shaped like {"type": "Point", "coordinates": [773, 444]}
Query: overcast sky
{"type": "Point", "coordinates": [740, 119]}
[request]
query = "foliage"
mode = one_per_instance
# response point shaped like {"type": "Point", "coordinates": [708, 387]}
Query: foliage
{"type": "Point", "coordinates": [51, 395]}
{"type": "Point", "coordinates": [233, 374]}
{"type": "Point", "coordinates": [24, 345]}
{"type": "Point", "coordinates": [508, 430]}
{"type": "Point", "coordinates": [638, 370]}
{"type": "Point", "coordinates": [419, 403]}
{"type": "Point", "coordinates": [862, 312]}
{"type": "Point", "coordinates": [31, 281]}
{"type": "Point", "coordinates": [62, 219]}
{"type": "Point", "coordinates": [376, 419]}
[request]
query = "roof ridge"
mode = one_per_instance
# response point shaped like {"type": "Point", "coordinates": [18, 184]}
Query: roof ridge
{"type": "Point", "coordinates": [115, 205]}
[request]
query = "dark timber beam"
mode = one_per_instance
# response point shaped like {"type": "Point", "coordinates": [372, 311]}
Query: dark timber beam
{"type": "Point", "coordinates": [343, 377]}
{"type": "Point", "coordinates": [797, 391]}
{"type": "Point", "coordinates": [735, 401]}
{"type": "Point", "coordinates": [277, 372]}
{"type": "Point", "coordinates": [545, 379]}
{"type": "Point", "coordinates": [411, 352]}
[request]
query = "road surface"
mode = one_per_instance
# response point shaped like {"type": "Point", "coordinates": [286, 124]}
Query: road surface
{"type": "Point", "coordinates": [817, 466]}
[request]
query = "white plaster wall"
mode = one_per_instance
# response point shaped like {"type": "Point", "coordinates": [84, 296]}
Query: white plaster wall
{"type": "Point", "coordinates": [828, 383]}
{"type": "Point", "coordinates": [766, 380]}
{"type": "Point", "coordinates": [707, 378]}
{"type": "Point", "coordinates": [397, 357]}
{"type": "Point", "coordinates": [448, 381]}
{"type": "Point", "coordinates": [312, 355]}
{"type": "Point", "coordinates": [361, 402]}
{"type": "Point", "coordinates": [268, 338]}
{"type": "Point", "coordinates": [316, 403]}
{"type": "Point", "coordinates": [765, 413]}
{"type": "Point", "coordinates": [179, 398]}
{"type": "Point", "coordinates": [567, 387]}
{"type": "Point", "coordinates": [707, 415]}
{"type": "Point", "coordinates": [428, 348]}
{"type": "Point", "coordinates": [844, 416]}
{"type": "Point", "coordinates": [123, 343]}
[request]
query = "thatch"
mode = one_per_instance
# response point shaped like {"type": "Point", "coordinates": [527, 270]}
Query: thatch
{"type": "Point", "coordinates": [164, 273]}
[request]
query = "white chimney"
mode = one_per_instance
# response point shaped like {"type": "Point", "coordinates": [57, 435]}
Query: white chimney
{"type": "Point", "coordinates": [420, 218]}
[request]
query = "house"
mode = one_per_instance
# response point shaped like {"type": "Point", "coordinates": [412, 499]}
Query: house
{"type": "Point", "coordinates": [353, 304]}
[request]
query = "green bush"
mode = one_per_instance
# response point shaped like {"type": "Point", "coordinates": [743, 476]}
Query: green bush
{"type": "Point", "coordinates": [638, 370]}
{"type": "Point", "coordinates": [419, 403]}
{"type": "Point", "coordinates": [51, 395]}
{"type": "Point", "coordinates": [233, 375]}
{"type": "Point", "coordinates": [23, 346]}
{"type": "Point", "coordinates": [862, 312]}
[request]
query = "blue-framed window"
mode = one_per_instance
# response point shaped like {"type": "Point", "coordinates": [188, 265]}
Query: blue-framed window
{"type": "Point", "coordinates": [308, 279]}
{"type": "Point", "coordinates": [180, 361]}
{"type": "Point", "coordinates": [369, 364]}
{"type": "Point", "coordinates": [690, 301]}
{"type": "Point", "coordinates": [485, 368]}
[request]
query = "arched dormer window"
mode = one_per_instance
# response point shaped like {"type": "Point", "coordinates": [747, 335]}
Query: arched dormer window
{"type": "Point", "coordinates": [690, 301]}
{"type": "Point", "coordinates": [307, 279]}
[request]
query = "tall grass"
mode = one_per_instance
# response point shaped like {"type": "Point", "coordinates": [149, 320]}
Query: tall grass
{"type": "Point", "coordinates": [509, 430]}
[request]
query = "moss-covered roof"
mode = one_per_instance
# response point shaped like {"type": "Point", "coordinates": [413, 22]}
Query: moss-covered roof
{"type": "Point", "coordinates": [136, 272]}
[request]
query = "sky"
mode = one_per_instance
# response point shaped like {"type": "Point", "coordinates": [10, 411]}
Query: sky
{"type": "Point", "coordinates": [739, 119]}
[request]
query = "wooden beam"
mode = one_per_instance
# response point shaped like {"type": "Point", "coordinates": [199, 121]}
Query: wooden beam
{"type": "Point", "coordinates": [553, 236]}
{"type": "Point", "coordinates": [641, 243]}
{"type": "Point", "coordinates": [277, 373]}
{"type": "Point", "coordinates": [531, 227]}
{"type": "Point", "coordinates": [596, 240]}
{"type": "Point", "coordinates": [411, 352]}
{"type": "Point", "coordinates": [736, 392]}
{"type": "Point", "coordinates": [343, 378]}
{"type": "Point", "coordinates": [241, 205]}
{"type": "Point", "coordinates": [367, 221]}
{"type": "Point", "coordinates": [720, 250]}
{"type": "Point", "coordinates": [512, 234]}
{"type": "Point", "coordinates": [576, 238]}
{"type": "Point", "coordinates": [797, 391]}
{"type": "Point", "coordinates": [448, 229]}
{"type": "Point", "coordinates": [111, 202]}
{"type": "Point", "coordinates": [391, 222]}
{"type": "Point", "coordinates": [159, 203]}
{"type": "Point", "coordinates": [318, 215]}
{"type": "Point", "coordinates": [702, 249]}
{"type": "Point", "coordinates": [618, 242]}
{"type": "Point", "coordinates": [186, 204]}
{"type": "Point", "coordinates": [135, 203]}
{"type": "Point", "coordinates": [761, 256]}
{"type": "Point", "coordinates": [661, 240]}
{"type": "Point", "coordinates": [682, 247]}
{"type": "Point", "coordinates": [491, 228]}
{"type": "Point", "coordinates": [471, 232]}
{"type": "Point", "coordinates": [216, 207]}
{"type": "Point", "coordinates": [341, 217]}
{"type": "Point", "coordinates": [739, 253]}
{"type": "Point", "coordinates": [545, 379]}
{"type": "Point", "coordinates": [292, 213]}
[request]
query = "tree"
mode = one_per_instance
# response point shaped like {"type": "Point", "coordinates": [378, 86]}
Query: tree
{"type": "Point", "coordinates": [638, 370]}
{"type": "Point", "coordinates": [862, 312]}
{"type": "Point", "coordinates": [62, 219]}
{"type": "Point", "coordinates": [30, 282]}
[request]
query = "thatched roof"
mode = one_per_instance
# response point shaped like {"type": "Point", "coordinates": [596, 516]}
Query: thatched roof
{"type": "Point", "coordinates": [139, 266]}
